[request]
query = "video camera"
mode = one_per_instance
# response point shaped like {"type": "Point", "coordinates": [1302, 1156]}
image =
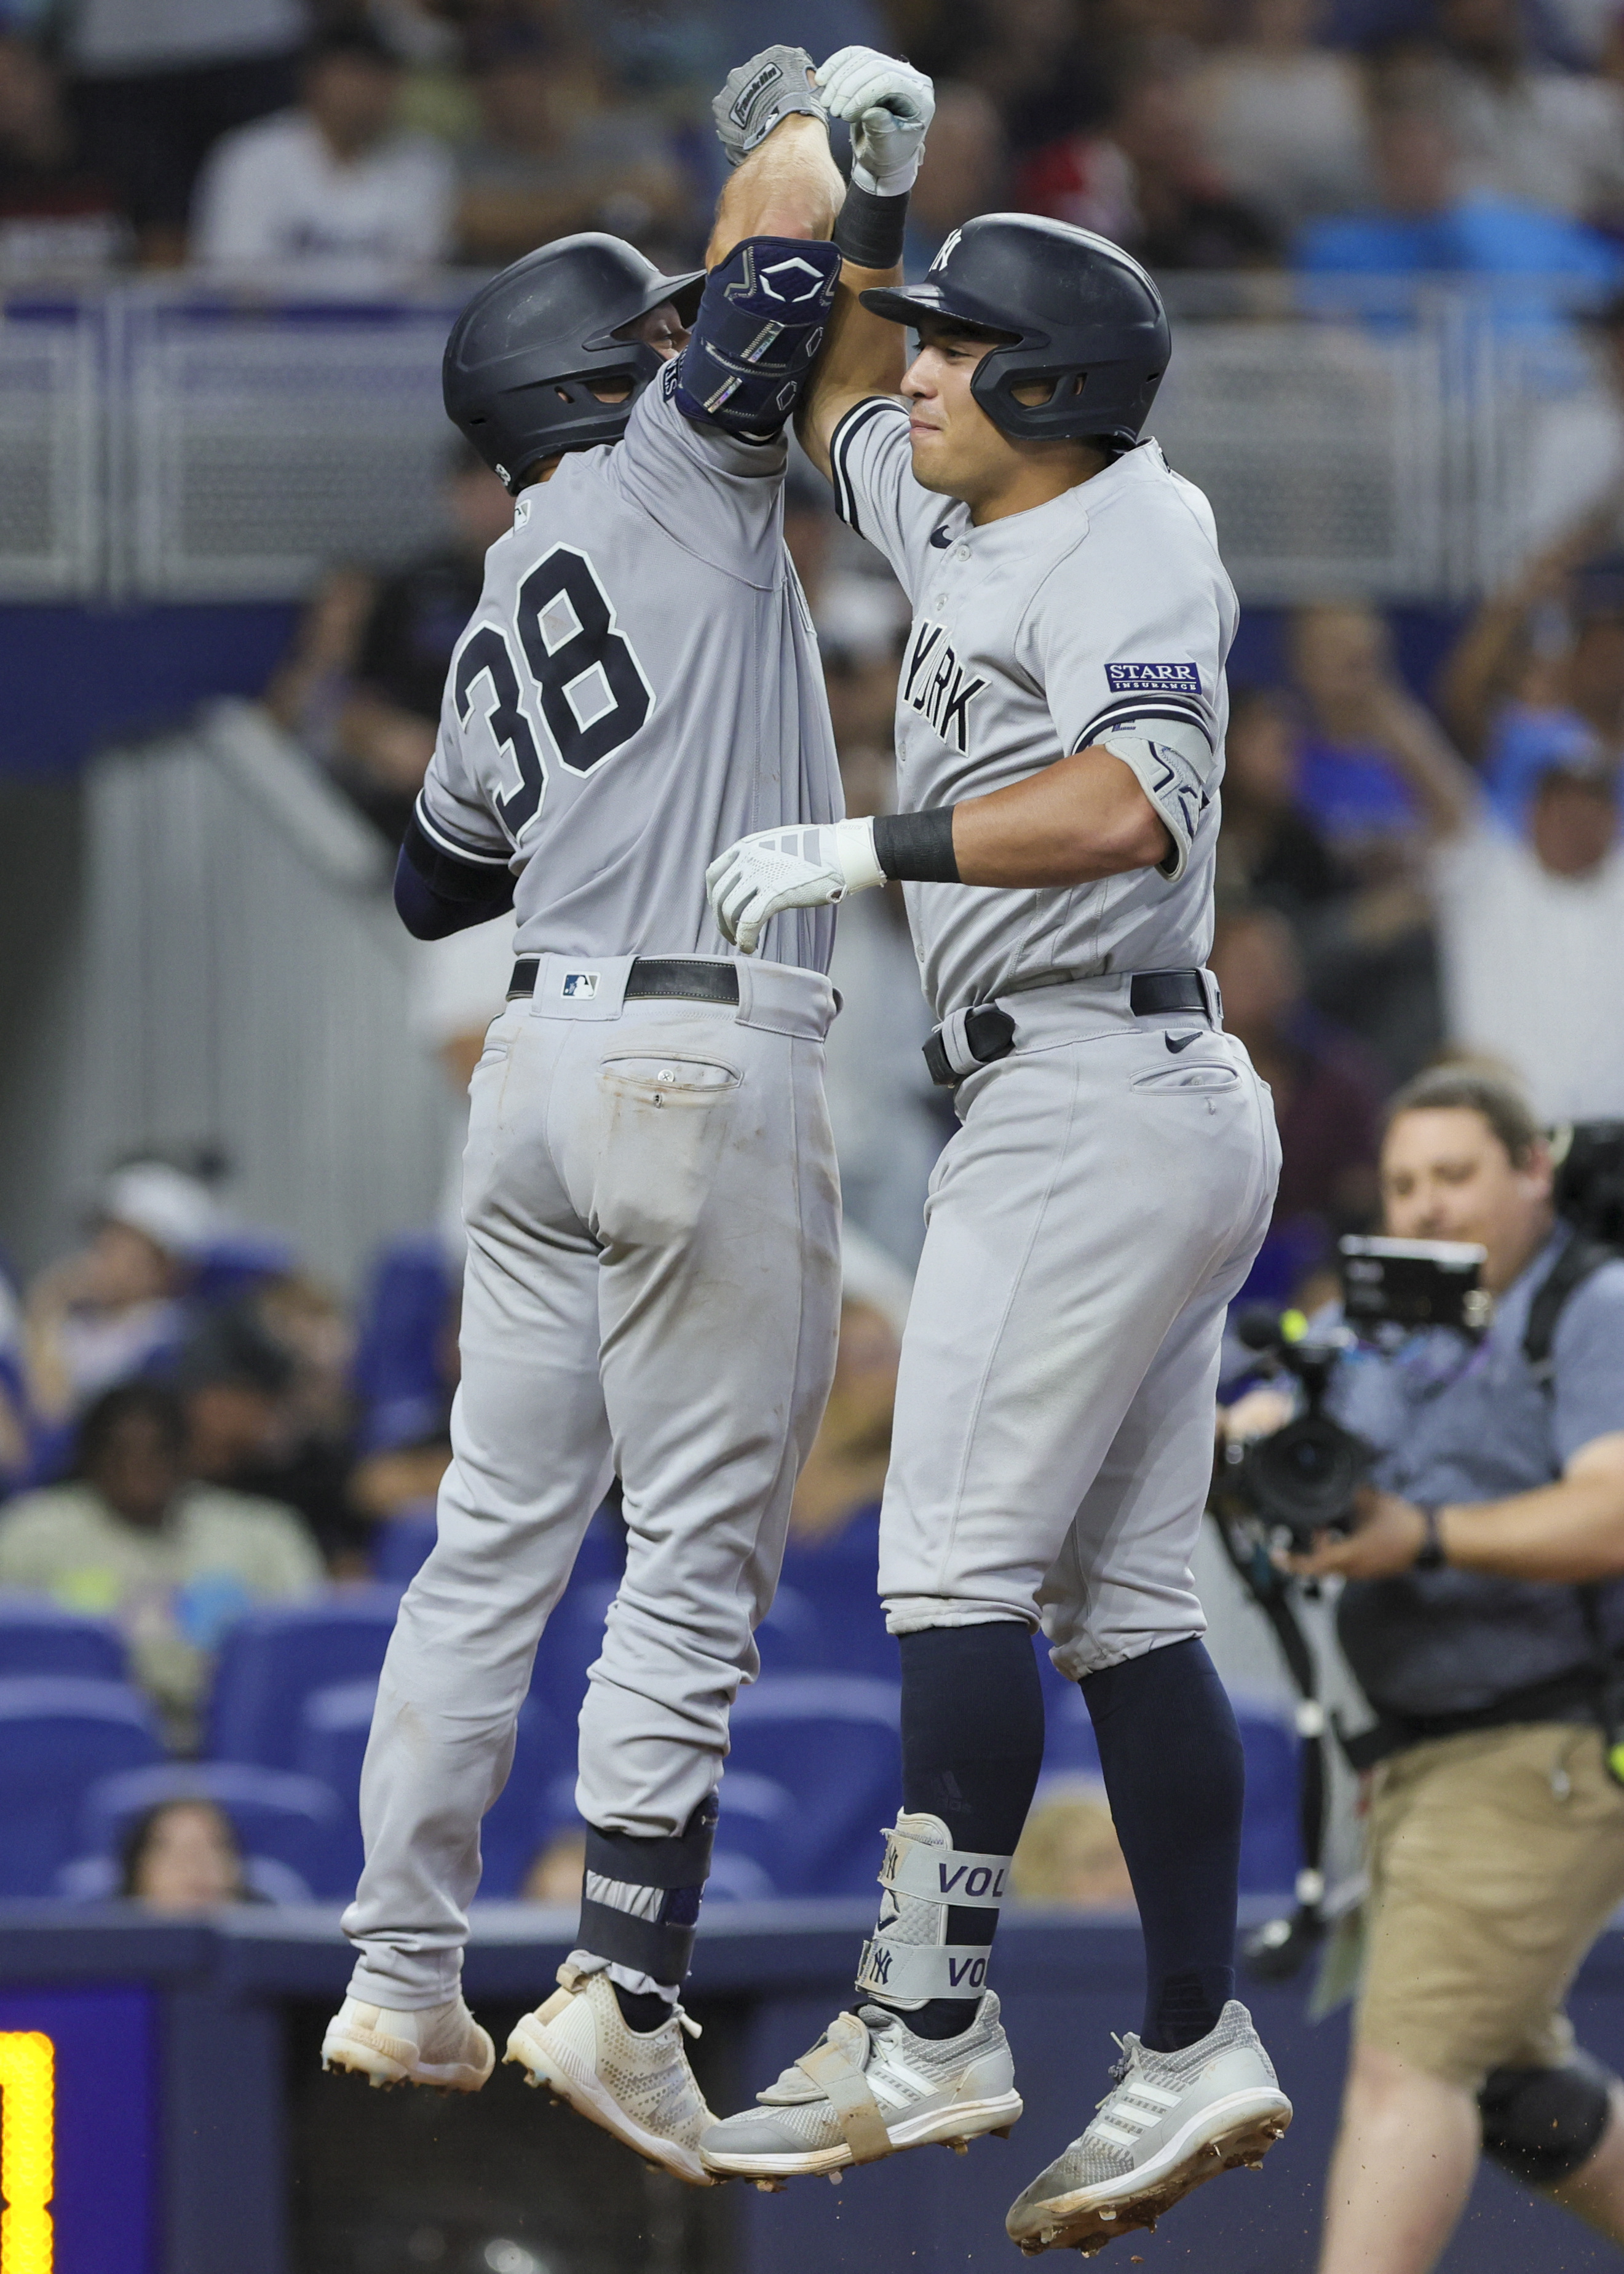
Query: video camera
{"type": "Point", "coordinates": [1301, 1480]}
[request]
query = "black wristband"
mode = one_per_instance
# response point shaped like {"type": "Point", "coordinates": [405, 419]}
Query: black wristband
{"type": "Point", "coordinates": [1430, 1555]}
{"type": "Point", "coordinates": [868, 230]}
{"type": "Point", "coordinates": [917, 845]}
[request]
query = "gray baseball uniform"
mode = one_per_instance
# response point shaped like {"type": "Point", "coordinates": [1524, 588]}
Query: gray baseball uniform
{"type": "Point", "coordinates": [649, 1187]}
{"type": "Point", "coordinates": [1113, 1178]}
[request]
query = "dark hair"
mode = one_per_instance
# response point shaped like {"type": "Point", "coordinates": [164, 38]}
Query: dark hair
{"type": "Point", "coordinates": [138, 1835]}
{"type": "Point", "coordinates": [1471, 1089]}
{"type": "Point", "coordinates": [357, 40]}
{"type": "Point", "coordinates": [143, 1401]}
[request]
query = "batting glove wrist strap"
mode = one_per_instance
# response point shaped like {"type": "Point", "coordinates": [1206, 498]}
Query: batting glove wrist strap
{"type": "Point", "coordinates": [869, 230]}
{"type": "Point", "coordinates": [917, 847]}
{"type": "Point", "coordinates": [773, 86]}
{"type": "Point", "coordinates": [888, 105]}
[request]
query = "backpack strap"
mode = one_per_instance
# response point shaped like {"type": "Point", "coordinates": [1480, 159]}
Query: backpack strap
{"type": "Point", "coordinates": [1578, 1261]}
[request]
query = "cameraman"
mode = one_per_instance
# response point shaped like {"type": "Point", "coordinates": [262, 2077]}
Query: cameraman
{"type": "Point", "coordinates": [1484, 1576]}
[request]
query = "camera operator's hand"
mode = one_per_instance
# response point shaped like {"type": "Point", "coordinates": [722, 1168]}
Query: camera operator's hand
{"type": "Point", "coordinates": [1388, 1534]}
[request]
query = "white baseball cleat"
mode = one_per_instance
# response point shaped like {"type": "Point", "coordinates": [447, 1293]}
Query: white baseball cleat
{"type": "Point", "coordinates": [1170, 2121]}
{"type": "Point", "coordinates": [868, 2087]}
{"type": "Point", "coordinates": [438, 2044]}
{"type": "Point", "coordinates": [634, 2084]}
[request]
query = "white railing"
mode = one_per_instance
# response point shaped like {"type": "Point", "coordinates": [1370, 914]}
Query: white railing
{"type": "Point", "coordinates": [1361, 435]}
{"type": "Point", "coordinates": [245, 981]}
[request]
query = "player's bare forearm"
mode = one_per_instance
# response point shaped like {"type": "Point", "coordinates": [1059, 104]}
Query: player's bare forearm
{"type": "Point", "coordinates": [1566, 1533]}
{"type": "Point", "coordinates": [788, 186]}
{"type": "Point", "coordinates": [862, 356]}
{"type": "Point", "coordinates": [1082, 819]}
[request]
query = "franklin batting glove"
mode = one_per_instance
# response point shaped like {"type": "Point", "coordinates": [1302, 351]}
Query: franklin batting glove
{"type": "Point", "coordinates": [887, 106]}
{"type": "Point", "coordinates": [796, 867]}
{"type": "Point", "coordinates": [756, 97]}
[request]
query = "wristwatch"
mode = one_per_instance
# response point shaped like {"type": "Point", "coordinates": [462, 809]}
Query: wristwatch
{"type": "Point", "coordinates": [1430, 1555]}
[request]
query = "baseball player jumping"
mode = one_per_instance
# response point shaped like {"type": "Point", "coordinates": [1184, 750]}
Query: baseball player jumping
{"type": "Point", "coordinates": [1060, 727]}
{"type": "Point", "coordinates": [650, 1183]}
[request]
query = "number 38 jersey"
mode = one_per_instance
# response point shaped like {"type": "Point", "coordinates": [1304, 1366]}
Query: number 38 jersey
{"type": "Point", "coordinates": [1107, 608]}
{"type": "Point", "coordinates": [639, 686]}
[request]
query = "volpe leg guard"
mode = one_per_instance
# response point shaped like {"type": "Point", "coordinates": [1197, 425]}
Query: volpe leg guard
{"type": "Point", "coordinates": [908, 1960]}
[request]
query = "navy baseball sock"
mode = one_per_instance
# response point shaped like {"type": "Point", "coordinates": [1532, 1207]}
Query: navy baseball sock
{"type": "Point", "coordinates": [1174, 1776]}
{"type": "Point", "coordinates": [972, 1748]}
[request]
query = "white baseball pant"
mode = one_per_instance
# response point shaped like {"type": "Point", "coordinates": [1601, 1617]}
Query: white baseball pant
{"type": "Point", "coordinates": [652, 1289]}
{"type": "Point", "coordinates": [1087, 1226]}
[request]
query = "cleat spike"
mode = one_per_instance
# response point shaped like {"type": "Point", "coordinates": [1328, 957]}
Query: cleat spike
{"type": "Point", "coordinates": [1105, 2214]}
{"type": "Point", "coordinates": [770, 2187]}
{"type": "Point", "coordinates": [1001, 2131]}
{"type": "Point", "coordinates": [960, 2147]}
{"type": "Point", "coordinates": [835, 2179]}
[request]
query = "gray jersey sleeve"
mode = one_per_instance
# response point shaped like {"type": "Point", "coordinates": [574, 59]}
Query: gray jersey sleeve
{"type": "Point", "coordinates": [1136, 647]}
{"type": "Point", "coordinates": [453, 808]}
{"type": "Point", "coordinates": [713, 495]}
{"type": "Point", "coordinates": [876, 493]}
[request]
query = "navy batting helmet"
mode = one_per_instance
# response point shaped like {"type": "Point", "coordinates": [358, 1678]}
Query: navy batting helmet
{"type": "Point", "coordinates": [523, 355]}
{"type": "Point", "coordinates": [1077, 310]}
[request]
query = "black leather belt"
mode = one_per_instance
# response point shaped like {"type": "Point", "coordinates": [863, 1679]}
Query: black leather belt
{"type": "Point", "coordinates": [651, 976]}
{"type": "Point", "coordinates": [984, 1033]}
{"type": "Point", "coordinates": [1166, 991]}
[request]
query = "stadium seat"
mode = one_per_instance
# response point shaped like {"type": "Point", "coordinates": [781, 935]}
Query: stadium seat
{"type": "Point", "coordinates": [333, 1725]}
{"type": "Point", "coordinates": [58, 1735]}
{"type": "Point", "coordinates": [831, 1741]}
{"type": "Point", "coordinates": [836, 1577]}
{"type": "Point", "coordinates": [271, 1660]}
{"type": "Point", "coordinates": [294, 1822]}
{"type": "Point", "coordinates": [38, 1636]}
{"type": "Point", "coordinates": [401, 1545]}
{"type": "Point", "coordinates": [750, 1855]}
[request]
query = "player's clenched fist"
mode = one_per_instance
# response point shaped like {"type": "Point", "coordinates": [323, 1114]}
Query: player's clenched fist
{"type": "Point", "coordinates": [798, 867]}
{"type": "Point", "coordinates": [887, 106]}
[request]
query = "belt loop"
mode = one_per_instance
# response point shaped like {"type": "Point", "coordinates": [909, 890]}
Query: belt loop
{"type": "Point", "coordinates": [1214, 998]}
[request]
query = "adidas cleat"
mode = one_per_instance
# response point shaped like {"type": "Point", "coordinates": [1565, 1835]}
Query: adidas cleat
{"type": "Point", "coordinates": [636, 2084]}
{"type": "Point", "coordinates": [868, 2088]}
{"type": "Point", "coordinates": [1170, 2121]}
{"type": "Point", "coordinates": [440, 2045]}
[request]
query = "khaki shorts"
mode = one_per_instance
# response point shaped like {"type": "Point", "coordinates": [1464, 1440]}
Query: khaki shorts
{"type": "Point", "coordinates": [1496, 1860]}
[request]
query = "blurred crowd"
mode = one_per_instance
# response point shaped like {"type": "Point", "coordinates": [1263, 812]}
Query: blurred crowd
{"type": "Point", "coordinates": [357, 145]}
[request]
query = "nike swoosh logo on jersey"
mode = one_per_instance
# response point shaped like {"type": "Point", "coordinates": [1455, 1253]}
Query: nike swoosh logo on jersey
{"type": "Point", "coordinates": [1176, 1043]}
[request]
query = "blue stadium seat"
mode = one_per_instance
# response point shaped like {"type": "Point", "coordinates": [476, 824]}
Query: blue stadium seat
{"type": "Point", "coordinates": [401, 1545]}
{"type": "Point", "coordinates": [38, 1636]}
{"type": "Point", "coordinates": [751, 1834]}
{"type": "Point", "coordinates": [295, 1823]}
{"type": "Point", "coordinates": [271, 1660]}
{"type": "Point", "coordinates": [831, 1741]}
{"type": "Point", "coordinates": [836, 1577]}
{"type": "Point", "coordinates": [57, 1736]}
{"type": "Point", "coordinates": [333, 1725]}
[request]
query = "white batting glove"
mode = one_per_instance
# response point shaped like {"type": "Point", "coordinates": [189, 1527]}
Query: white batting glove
{"type": "Point", "coordinates": [887, 106]}
{"type": "Point", "coordinates": [804, 866]}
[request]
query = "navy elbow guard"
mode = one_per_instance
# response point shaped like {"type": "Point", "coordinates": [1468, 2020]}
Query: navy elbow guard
{"type": "Point", "coordinates": [760, 325]}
